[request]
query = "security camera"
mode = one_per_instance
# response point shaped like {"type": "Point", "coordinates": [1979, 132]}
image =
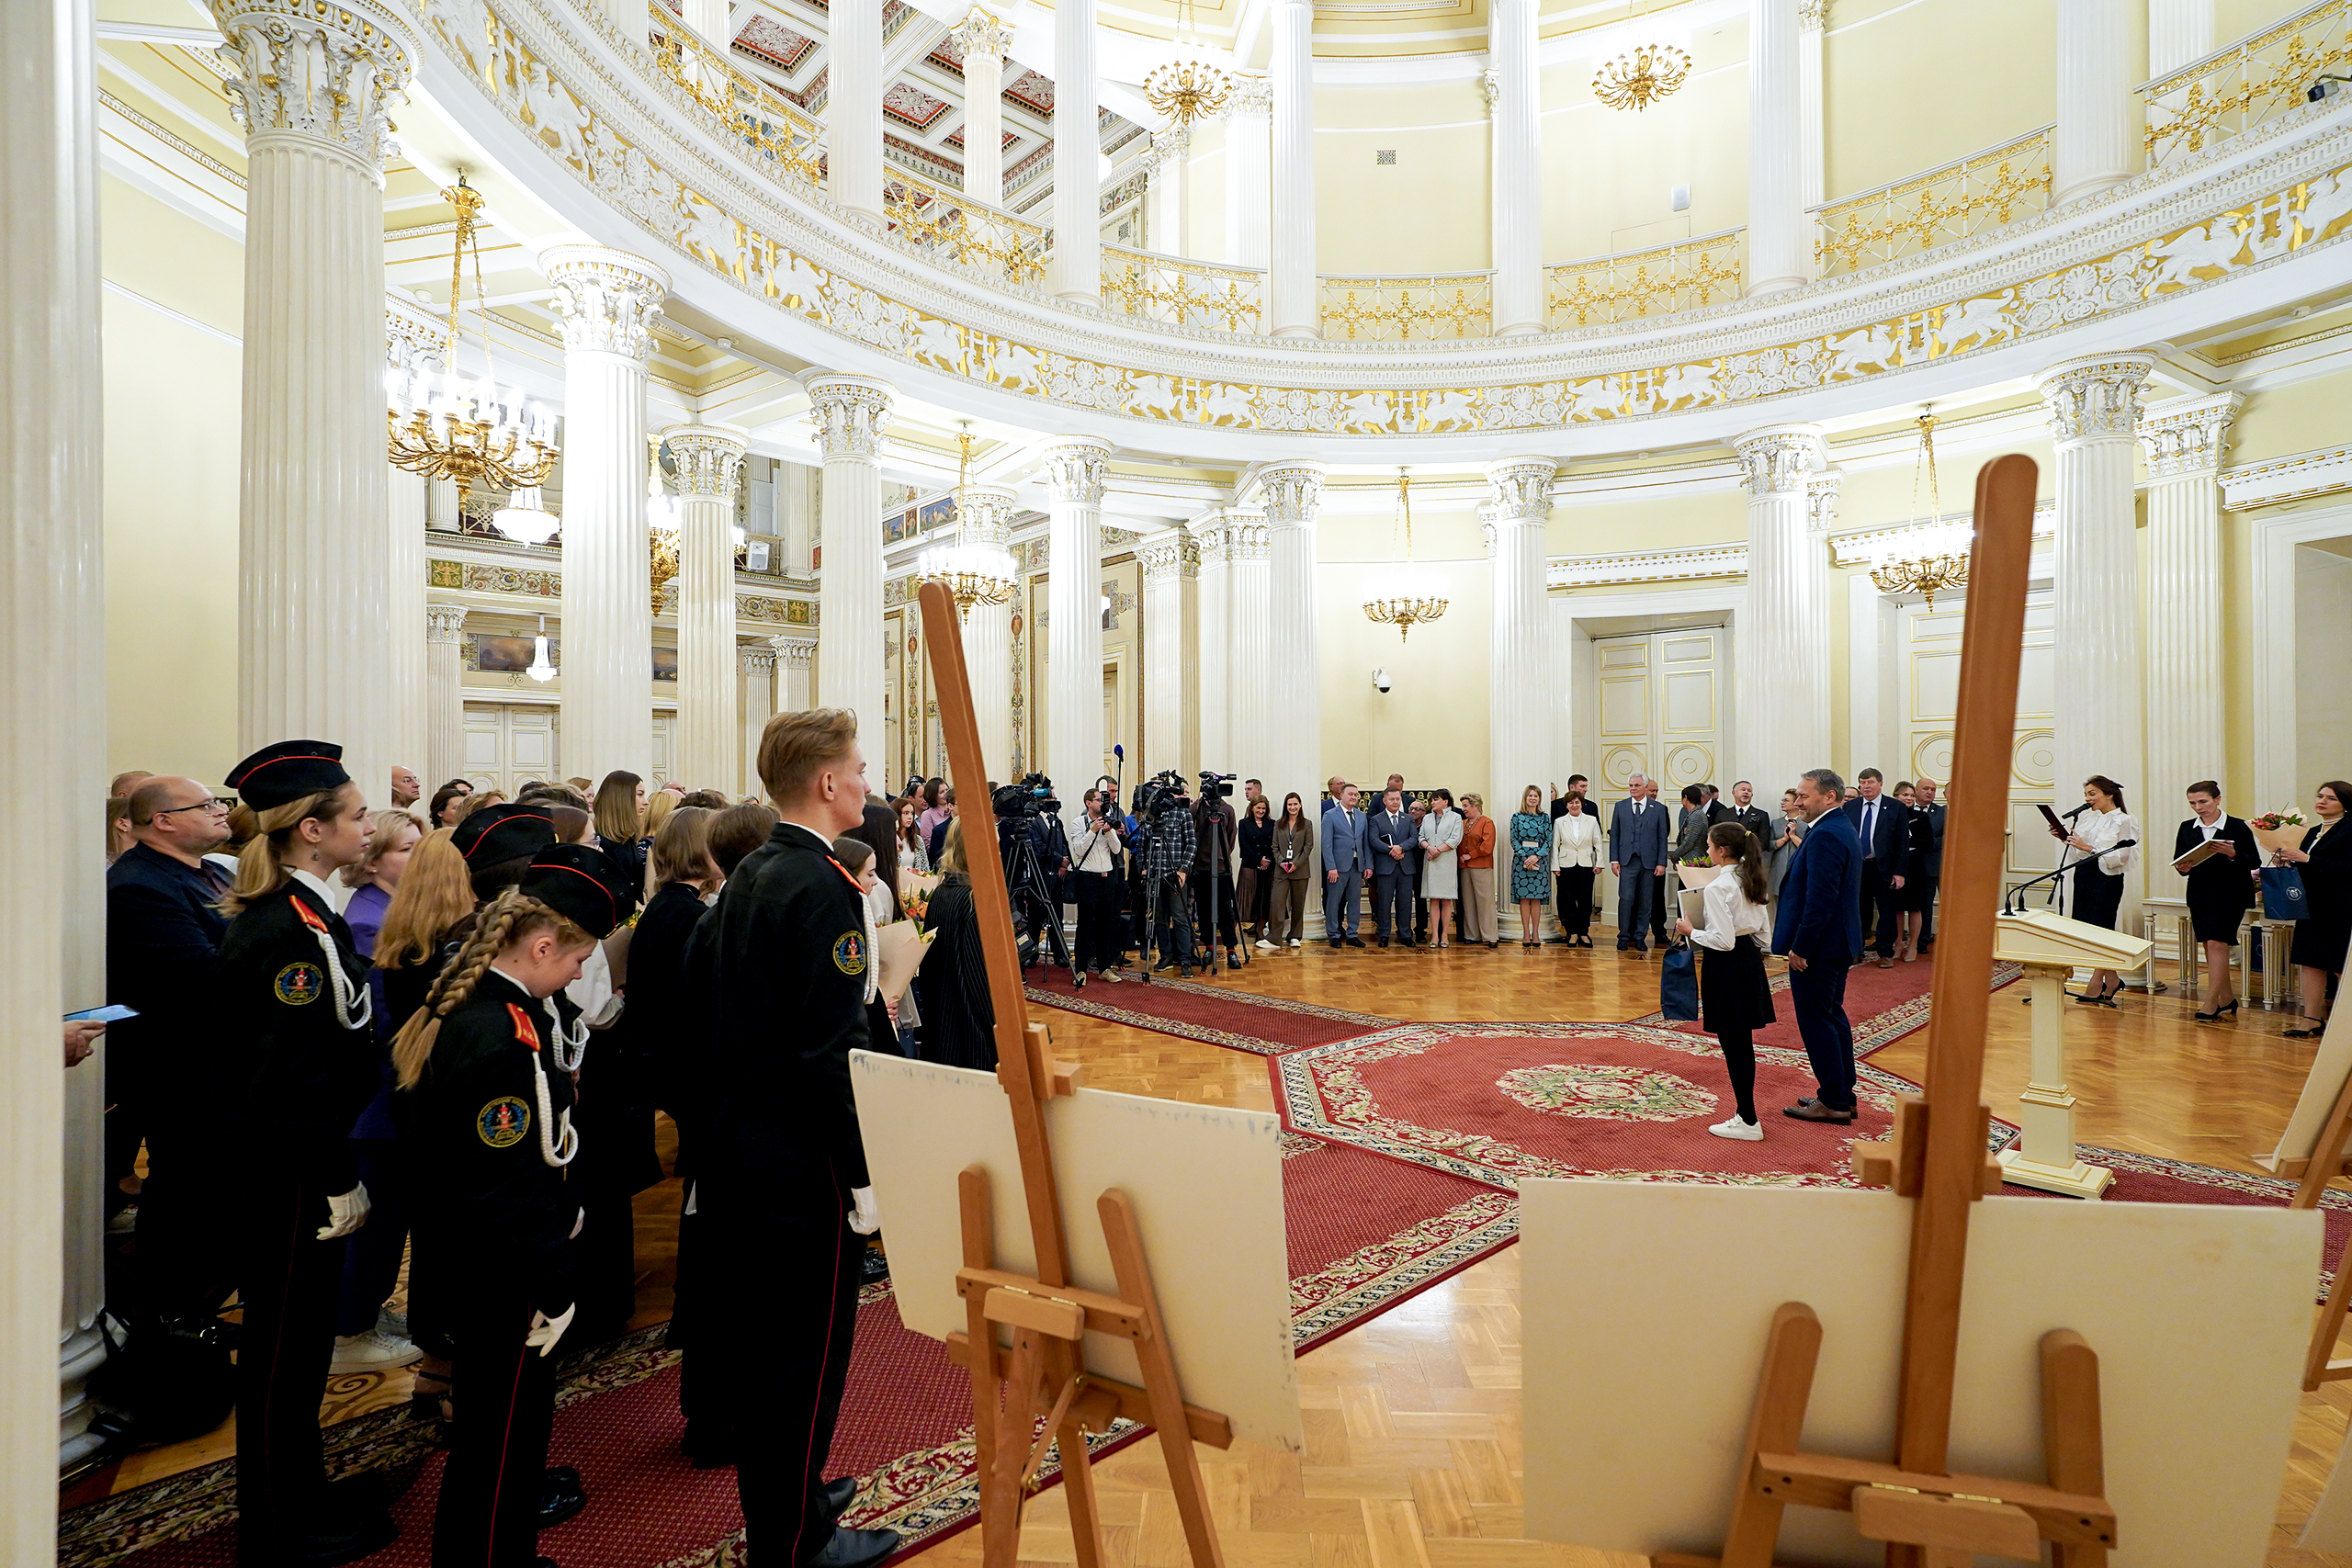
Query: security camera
{"type": "Point", "coordinates": [1381, 682]}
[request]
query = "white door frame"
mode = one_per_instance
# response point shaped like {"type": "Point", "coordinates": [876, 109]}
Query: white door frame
{"type": "Point", "coordinates": [2270, 599]}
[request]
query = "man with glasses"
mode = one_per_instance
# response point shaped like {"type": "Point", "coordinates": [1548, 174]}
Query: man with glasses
{"type": "Point", "coordinates": [166, 1075]}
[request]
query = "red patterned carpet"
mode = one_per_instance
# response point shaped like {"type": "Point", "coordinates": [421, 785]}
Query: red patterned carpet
{"type": "Point", "coordinates": [1196, 1010]}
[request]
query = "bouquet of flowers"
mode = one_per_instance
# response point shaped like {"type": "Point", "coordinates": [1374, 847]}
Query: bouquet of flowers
{"type": "Point", "coordinates": [2279, 829]}
{"type": "Point", "coordinates": [914, 893]}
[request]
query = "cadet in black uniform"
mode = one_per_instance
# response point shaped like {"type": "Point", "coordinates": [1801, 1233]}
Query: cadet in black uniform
{"type": "Point", "coordinates": [487, 1108]}
{"type": "Point", "coordinates": [782, 1175]}
{"type": "Point", "coordinates": [294, 994]}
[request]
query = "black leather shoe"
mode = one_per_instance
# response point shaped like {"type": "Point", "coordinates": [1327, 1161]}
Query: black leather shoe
{"type": "Point", "coordinates": [323, 1547]}
{"type": "Point", "coordinates": [838, 1496]}
{"type": "Point", "coordinates": [1355, 942]}
{"type": "Point", "coordinates": [560, 1496]}
{"type": "Point", "coordinates": [708, 1447]}
{"type": "Point", "coordinates": [854, 1549]}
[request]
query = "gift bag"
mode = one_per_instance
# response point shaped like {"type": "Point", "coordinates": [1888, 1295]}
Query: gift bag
{"type": "Point", "coordinates": [1677, 985]}
{"type": "Point", "coordinates": [2282, 894]}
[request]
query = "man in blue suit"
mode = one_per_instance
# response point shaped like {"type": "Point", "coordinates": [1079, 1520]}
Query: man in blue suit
{"type": "Point", "coordinates": [1347, 866]}
{"type": "Point", "coordinates": [1637, 846]}
{"type": "Point", "coordinates": [1394, 842]}
{"type": "Point", "coordinates": [1820, 929]}
{"type": "Point", "coordinates": [1883, 824]}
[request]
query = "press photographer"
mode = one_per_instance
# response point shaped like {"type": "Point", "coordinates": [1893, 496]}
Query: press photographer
{"type": "Point", "coordinates": [1098, 856]}
{"type": "Point", "coordinates": [1164, 843]}
{"type": "Point", "coordinates": [1030, 839]}
{"type": "Point", "coordinates": [1215, 830]}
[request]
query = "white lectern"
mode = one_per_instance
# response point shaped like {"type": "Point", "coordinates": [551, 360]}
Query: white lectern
{"type": "Point", "coordinates": [2051, 947]}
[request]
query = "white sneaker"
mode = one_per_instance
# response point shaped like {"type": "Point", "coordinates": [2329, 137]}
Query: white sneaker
{"type": "Point", "coordinates": [1733, 1127]}
{"type": "Point", "coordinates": [1294, 942]}
{"type": "Point", "coordinates": [392, 1324]}
{"type": "Point", "coordinates": [371, 1352]}
{"type": "Point", "coordinates": [1265, 946]}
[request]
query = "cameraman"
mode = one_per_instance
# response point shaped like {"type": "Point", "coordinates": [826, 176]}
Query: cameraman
{"type": "Point", "coordinates": [1096, 853]}
{"type": "Point", "coordinates": [1214, 830]}
{"type": "Point", "coordinates": [1166, 864]}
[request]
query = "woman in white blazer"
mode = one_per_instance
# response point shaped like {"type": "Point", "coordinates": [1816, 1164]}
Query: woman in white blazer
{"type": "Point", "coordinates": [1440, 870]}
{"type": "Point", "coordinates": [1577, 851]}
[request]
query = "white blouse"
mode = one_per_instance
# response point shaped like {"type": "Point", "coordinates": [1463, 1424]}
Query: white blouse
{"type": "Point", "coordinates": [2101, 828]}
{"type": "Point", "coordinates": [1575, 841]}
{"type": "Point", "coordinates": [1730, 914]}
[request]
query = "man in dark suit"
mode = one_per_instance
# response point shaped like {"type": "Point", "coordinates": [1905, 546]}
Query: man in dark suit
{"type": "Point", "coordinates": [1933, 868]}
{"type": "Point", "coordinates": [1820, 929]}
{"type": "Point", "coordinates": [164, 1068]}
{"type": "Point", "coordinates": [1749, 815]}
{"type": "Point", "coordinates": [1578, 785]}
{"type": "Point", "coordinates": [1879, 820]}
{"type": "Point", "coordinates": [1395, 845]}
{"type": "Point", "coordinates": [1638, 845]}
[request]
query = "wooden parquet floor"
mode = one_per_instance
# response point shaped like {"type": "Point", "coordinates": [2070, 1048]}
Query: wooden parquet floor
{"type": "Point", "coordinates": [1412, 1421]}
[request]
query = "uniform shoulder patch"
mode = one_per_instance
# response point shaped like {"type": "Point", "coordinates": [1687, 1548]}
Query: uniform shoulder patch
{"type": "Point", "coordinates": [848, 952]}
{"type": "Point", "coordinates": [502, 1122]}
{"type": "Point", "coordinates": [299, 983]}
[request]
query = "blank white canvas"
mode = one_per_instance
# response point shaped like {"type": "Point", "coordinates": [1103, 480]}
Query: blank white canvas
{"type": "Point", "coordinates": [1207, 1187]}
{"type": "Point", "coordinates": [2321, 1086]}
{"type": "Point", "coordinates": [1647, 1308]}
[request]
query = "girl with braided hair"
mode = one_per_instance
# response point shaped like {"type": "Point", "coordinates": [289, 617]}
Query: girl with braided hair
{"type": "Point", "coordinates": [487, 1111]}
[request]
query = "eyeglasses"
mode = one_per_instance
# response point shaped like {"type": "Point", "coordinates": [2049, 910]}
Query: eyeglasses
{"type": "Point", "coordinates": [223, 806]}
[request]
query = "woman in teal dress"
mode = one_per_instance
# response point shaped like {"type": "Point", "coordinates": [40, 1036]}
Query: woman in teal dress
{"type": "Point", "coordinates": [1530, 864]}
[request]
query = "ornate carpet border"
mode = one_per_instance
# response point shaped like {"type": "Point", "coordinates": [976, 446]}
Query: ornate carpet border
{"type": "Point", "coordinates": [1208, 1034]}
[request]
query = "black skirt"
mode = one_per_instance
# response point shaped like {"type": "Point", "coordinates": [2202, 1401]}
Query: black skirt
{"type": "Point", "coordinates": [2096, 895]}
{"type": "Point", "coordinates": [1732, 984]}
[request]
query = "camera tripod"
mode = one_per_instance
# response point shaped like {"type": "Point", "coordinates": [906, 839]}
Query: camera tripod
{"type": "Point", "coordinates": [1036, 908]}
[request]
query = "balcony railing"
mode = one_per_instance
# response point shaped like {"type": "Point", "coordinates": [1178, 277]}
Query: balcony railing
{"type": "Point", "coordinates": [1186, 292]}
{"type": "Point", "coordinates": [1659, 281]}
{"type": "Point", "coordinates": [1406, 308]}
{"type": "Point", "coordinates": [1905, 217]}
{"type": "Point", "coordinates": [2234, 89]}
{"type": "Point", "coordinates": [774, 132]}
{"type": "Point", "coordinates": [971, 236]}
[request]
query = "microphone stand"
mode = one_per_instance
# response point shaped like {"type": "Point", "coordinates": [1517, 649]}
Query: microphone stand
{"type": "Point", "coordinates": [2011, 897]}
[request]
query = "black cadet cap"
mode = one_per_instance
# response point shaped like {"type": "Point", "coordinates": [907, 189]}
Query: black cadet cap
{"type": "Point", "coordinates": [579, 882]}
{"type": "Point", "coordinates": [496, 834]}
{"type": "Point", "coordinates": [289, 771]}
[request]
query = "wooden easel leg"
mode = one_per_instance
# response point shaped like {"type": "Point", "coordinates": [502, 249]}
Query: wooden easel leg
{"type": "Point", "coordinates": [2329, 1328]}
{"type": "Point", "coordinates": [1077, 1468]}
{"type": "Point", "coordinates": [1160, 1380]}
{"type": "Point", "coordinates": [2074, 1446]}
{"type": "Point", "coordinates": [1003, 1491]}
{"type": "Point", "coordinates": [2327, 1153]}
{"type": "Point", "coordinates": [1784, 1388]}
{"type": "Point", "coordinates": [980, 1252]}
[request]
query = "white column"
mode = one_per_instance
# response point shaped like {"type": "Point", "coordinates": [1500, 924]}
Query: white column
{"type": "Point", "coordinates": [2096, 144]}
{"type": "Point", "coordinates": [984, 516]}
{"type": "Point", "coordinates": [52, 683]}
{"type": "Point", "coordinates": [1291, 491]}
{"type": "Point", "coordinates": [1517, 202]}
{"type": "Point", "coordinates": [709, 460]}
{"type": "Point", "coordinates": [853, 107]}
{"type": "Point", "coordinates": [1257, 707]}
{"type": "Point", "coordinates": [795, 657]}
{"type": "Point", "coordinates": [758, 707]}
{"type": "Point", "coordinates": [710, 18]}
{"type": "Point", "coordinates": [2093, 409]}
{"type": "Point", "coordinates": [444, 757]}
{"type": "Point", "coordinates": [985, 42]}
{"type": "Point", "coordinates": [412, 342]}
{"type": "Point", "coordinates": [1779, 250]}
{"type": "Point", "coordinates": [1171, 650]}
{"type": "Point", "coordinates": [1293, 297]}
{"type": "Point", "coordinates": [2178, 32]}
{"type": "Point", "coordinates": [1078, 148]}
{"type": "Point", "coordinates": [441, 506]}
{"type": "Point", "coordinates": [313, 92]}
{"type": "Point", "coordinates": [1522, 671]}
{"type": "Point", "coordinates": [2186, 441]}
{"type": "Point", "coordinates": [1075, 466]}
{"type": "Point", "coordinates": [1214, 715]}
{"type": "Point", "coordinates": [1249, 170]}
{"type": "Point", "coordinates": [851, 412]}
{"type": "Point", "coordinates": [1812, 145]}
{"type": "Point", "coordinates": [609, 301]}
{"type": "Point", "coordinates": [1780, 669]}
{"type": "Point", "coordinates": [1164, 226]}
{"type": "Point", "coordinates": [795, 511]}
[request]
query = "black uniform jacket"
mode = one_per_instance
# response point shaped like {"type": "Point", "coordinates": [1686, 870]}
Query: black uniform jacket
{"type": "Point", "coordinates": [490, 1206]}
{"type": "Point", "coordinates": [788, 965]}
{"type": "Point", "coordinates": [305, 1076]}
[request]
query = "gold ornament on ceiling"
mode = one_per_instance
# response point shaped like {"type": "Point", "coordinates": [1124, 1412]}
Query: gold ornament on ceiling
{"type": "Point", "coordinates": [972, 573]}
{"type": "Point", "coordinates": [1409, 603]}
{"type": "Point", "coordinates": [1186, 89]}
{"type": "Point", "coordinates": [1943, 563]}
{"type": "Point", "coordinates": [1641, 75]}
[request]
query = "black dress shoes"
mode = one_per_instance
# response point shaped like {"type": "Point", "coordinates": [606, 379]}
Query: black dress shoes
{"type": "Point", "coordinates": [854, 1549]}
{"type": "Point", "coordinates": [1355, 942]}
{"type": "Point", "coordinates": [706, 1447]}
{"type": "Point", "coordinates": [560, 1496]}
{"type": "Point", "coordinates": [1814, 1111]}
{"type": "Point", "coordinates": [838, 1496]}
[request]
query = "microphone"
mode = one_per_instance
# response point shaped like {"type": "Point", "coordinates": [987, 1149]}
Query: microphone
{"type": "Point", "coordinates": [2011, 895]}
{"type": "Point", "coordinates": [1120, 752]}
{"type": "Point", "coordinates": [2070, 815]}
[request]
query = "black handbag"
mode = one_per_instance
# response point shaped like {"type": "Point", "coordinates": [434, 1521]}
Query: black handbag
{"type": "Point", "coordinates": [171, 1378]}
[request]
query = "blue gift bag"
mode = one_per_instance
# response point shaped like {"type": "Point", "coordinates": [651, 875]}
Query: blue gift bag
{"type": "Point", "coordinates": [1677, 985]}
{"type": "Point", "coordinates": [2282, 894]}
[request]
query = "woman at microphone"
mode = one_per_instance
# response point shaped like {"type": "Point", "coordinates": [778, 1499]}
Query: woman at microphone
{"type": "Point", "coordinates": [2104, 835]}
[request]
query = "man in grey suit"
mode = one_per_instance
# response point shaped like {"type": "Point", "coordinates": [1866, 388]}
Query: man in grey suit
{"type": "Point", "coordinates": [1638, 845]}
{"type": "Point", "coordinates": [1346, 867]}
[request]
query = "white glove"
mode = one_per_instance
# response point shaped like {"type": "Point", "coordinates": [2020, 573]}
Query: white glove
{"type": "Point", "coordinates": [577, 1222]}
{"type": "Point", "coordinates": [546, 1330]}
{"type": "Point", "coordinates": [867, 1218]}
{"type": "Point", "coordinates": [346, 1212]}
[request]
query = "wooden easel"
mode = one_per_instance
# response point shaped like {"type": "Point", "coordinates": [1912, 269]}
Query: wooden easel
{"type": "Point", "coordinates": [2328, 1160]}
{"type": "Point", "coordinates": [1042, 1372]}
{"type": "Point", "coordinates": [1927, 1517]}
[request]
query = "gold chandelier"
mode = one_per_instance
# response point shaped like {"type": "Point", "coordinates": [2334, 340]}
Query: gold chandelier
{"type": "Point", "coordinates": [972, 573]}
{"type": "Point", "coordinates": [468, 434]}
{"type": "Point", "coordinates": [662, 522]}
{"type": "Point", "coordinates": [1411, 607]}
{"type": "Point", "coordinates": [1641, 77]}
{"type": "Point", "coordinates": [1186, 90]}
{"type": "Point", "coordinates": [1945, 565]}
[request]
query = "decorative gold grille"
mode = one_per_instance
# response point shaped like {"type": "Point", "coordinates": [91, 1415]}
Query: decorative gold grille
{"type": "Point", "coordinates": [2234, 89]}
{"type": "Point", "coordinates": [1189, 293]}
{"type": "Point", "coordinates": [1413, 306]}
{"type": "Point", "coordinates": [1633, 284]}
{"type": "Point", "coordinates": [1984, 191]}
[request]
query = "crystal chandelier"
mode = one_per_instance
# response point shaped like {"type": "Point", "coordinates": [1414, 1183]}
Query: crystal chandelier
{"type": "Point", "coordinates": [542, 668]}
{"type": "Point", "coordinates": [1410, 605]}
{"type": "Point", "coordinates": [1186, 89]}
{"type": "Point", "coordinates": [1641, 76]}
{"type": "Point", "coordinates": [972, 573]}
{"type": "Point", "coordinates": [468, 433]}
{"type": "Point", "coordinates": [526, 518]}
{"type": "Point", "coordinates": [1943, 563]}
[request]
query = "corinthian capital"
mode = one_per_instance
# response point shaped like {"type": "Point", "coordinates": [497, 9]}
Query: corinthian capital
{"type": "Point", "coordinates": [331, 72]}
{"type": "Point", "coordinates": [709, 458]}
{"type": "Point", "coordinates": [1523, 488]}
{"type": "Point", "coordinates": [795, 653]}
{"type": "Point", "coordinates": [1775, 461]}
{"type": "Point", "coordinates": [610, 300]}
{"type": "Point", "coordinates": [2188, 436]}
{"type": "Point", "coordinates": [1174, 558]}
{"type": "Point", "coordinates": [984, 514]}
{"type": "Point", "coordinates": [981, 33]}
{"type": "Point", "coordinates": [755, 660]}
{"type": "Point", "coordinates": [1293, 491]}
{"type": "Point", "coordinates": [442, 622]}
{"type": "Point", "coordinates": [2097, 396]}
{"type": "Point", "coordinates": [852, 412]}
{"type": "Point", "coordinates": [1074, 469]}
{"type": "Point", "coordinates": [1821, 501]}
{"type": "Point", "coordinates": [1251, 96]}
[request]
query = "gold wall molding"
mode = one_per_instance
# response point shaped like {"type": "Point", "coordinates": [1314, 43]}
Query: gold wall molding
{"type": "Point", "coordinates": [2323, 472]}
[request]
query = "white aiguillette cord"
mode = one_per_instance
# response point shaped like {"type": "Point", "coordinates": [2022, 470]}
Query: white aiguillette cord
{"type": "Point", "coordinates": [559, 1141]}
{"type": "Point", "coordinates": [337, 978]}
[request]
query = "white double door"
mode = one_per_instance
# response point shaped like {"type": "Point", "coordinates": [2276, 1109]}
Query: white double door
{"type": "Point", "coordinates": [510, 744]}
{"type": "Point", "coordinates": [1659, 705]}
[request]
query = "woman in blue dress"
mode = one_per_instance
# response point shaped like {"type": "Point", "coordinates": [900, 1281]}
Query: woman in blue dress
{"type": "Point", "coordinates": [1530, 864]}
